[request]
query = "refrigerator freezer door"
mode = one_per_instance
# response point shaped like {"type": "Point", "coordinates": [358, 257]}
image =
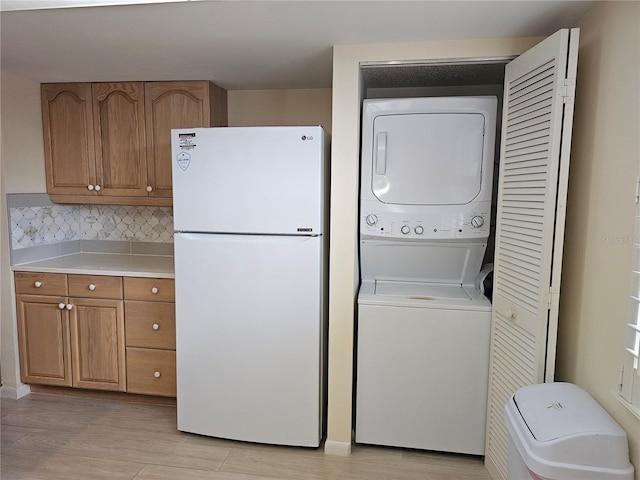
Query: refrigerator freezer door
{"type": "Point", "coordinates": [249, 180]}
{"type": "Point", "coordinates": [249, 337]}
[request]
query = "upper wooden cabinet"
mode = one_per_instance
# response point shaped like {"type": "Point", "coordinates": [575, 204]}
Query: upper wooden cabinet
{"type": "Point", "coordinates": [119, 139]}
{"type": "Point", "coordinates": [177, 105]}
{"type": "Point", "coordinates": [111, 142]}
{"type": "Point", "coordinates": [67, 117]}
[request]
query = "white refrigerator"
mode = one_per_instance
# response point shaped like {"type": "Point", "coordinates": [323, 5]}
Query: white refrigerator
{"type": "Point", "coordinates": [250, 219]}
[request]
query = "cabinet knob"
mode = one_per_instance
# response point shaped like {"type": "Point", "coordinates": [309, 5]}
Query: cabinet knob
{"type": "Point", "coordinates": [510, 314]}
{"type": "Point", "coordinates": [154, 290]}
{"type": "Point", "coordinates": [61, 306]}
{"type": "Point", "coordinates": [98, 188]}
{"type": "Point", "coordinates": [37, 284]}
{"type": "Point", "coordinates": [156, 374]}
{"type": "Point", "coordinates": [69, 306]}
{"type": "Point", "coordinates": [92, 287]}
{"type": "Point", "coordinates": [149, 188]}
{"type": "Point", "coordinates": [155, 326]}
{"type": "Point", "coordinates": [90, 187]}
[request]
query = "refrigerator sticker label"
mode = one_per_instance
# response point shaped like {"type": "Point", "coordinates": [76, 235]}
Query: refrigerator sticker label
{"type": "Point", "coordinates": [183, 159]}
{"type": "Point", "coordinates": [187, 140]}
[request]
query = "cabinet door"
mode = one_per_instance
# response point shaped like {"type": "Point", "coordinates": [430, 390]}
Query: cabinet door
{"type": "Point", "coordinates": [97, 343]}
{"type": "Point", "coordinates": [176, 105]}
{"type": "Point", "coordinates": [67, 122]}
{"type": "Point", "coordinates": [118, 117]}
{"type": "Point", "coordinates": [43, 336]}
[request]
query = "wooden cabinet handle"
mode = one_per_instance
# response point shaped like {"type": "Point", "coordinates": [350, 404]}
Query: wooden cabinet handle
{"type": "Point", "coordinates": [156, 374]}
{"type": "Point", "coordinates": [37, 284]}
{"type": "Point", "coordinates": [154, 290]}
{"type": "Point", "coordinates": [155, 326]}
{"type": "Point", "coordinates": [92, 287]}
{"type": "Point", "coordinates": [61, 306]}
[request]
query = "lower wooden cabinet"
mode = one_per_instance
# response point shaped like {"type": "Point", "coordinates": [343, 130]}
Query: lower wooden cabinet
{"type": "Point", "coordinates": [150, 336]}
{"type": "Point", "coordinates": [43, 333]}
{"type": "Point", "coordinates": [97, 343]}
{"type": "Point", "coordinates": [81, 333]}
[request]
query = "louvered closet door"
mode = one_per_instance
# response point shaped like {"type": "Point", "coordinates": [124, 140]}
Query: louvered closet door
{"type": "Point", "coordinates": [534, 163]}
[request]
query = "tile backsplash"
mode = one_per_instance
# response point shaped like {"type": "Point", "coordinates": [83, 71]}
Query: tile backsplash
{"type": "Point", "coordinates": [45, 225]}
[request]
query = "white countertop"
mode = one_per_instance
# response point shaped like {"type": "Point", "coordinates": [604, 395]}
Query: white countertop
{"type": "Point", "coordinates": [115, 264]}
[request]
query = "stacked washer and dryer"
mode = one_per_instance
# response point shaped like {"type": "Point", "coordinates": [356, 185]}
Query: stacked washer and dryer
{"type": "Point", "coordinates": [423, 329]}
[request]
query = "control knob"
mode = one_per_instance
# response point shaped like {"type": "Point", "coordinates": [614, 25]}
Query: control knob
{"type": "Point", "coordinates": [371, 220]}
{"type": "Point", "coordinates": [477, 221]}
{"type": "Point", "coordinates": [405, 229]}
{"type": "Point", "coordinates": [419, 230]}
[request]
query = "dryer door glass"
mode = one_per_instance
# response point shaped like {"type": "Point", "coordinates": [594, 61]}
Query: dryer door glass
{"type": "Point", "coordinates": [427, 159]}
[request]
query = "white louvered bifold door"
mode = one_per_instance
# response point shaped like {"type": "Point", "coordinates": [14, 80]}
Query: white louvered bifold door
{"type": "Point", "coordinates": [534, 169]}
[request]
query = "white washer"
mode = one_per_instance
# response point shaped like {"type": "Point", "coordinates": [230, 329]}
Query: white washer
{"type": "Point", "coordinates": [423, 361]}
{"type": "Point", "coordinates": [423, 329]}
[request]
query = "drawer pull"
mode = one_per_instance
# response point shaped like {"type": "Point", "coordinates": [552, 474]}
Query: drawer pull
{"type": "Point", "coordinates": [69, 306]}
{"type": "Point", "coordinates": [38, 284]}
{"type": "Point", "coordinates": [154, 290]}
{"type": "Point", "coordinates": [92, 287]}
{"type": "Point", "coordinates": [155, 326]}
{"type": "Point", "coordinates": [156, 374]}
{"type": "Point", "coordinates": [61, 306]}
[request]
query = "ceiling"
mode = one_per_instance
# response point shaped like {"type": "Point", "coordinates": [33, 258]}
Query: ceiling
{"type": "Point", "coordinates": [241, 44]}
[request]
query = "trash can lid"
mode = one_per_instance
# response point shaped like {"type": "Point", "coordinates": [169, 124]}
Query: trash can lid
{"type": "Point", "coordinates": [560, 431]}
{"type": "Point", "coordinates": [556, 410]}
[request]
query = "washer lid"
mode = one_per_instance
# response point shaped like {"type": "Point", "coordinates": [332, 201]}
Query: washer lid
{"type": "Point", "coordinates": [556, 410]}
{"type": "Point", "coordinates": [422, 291]}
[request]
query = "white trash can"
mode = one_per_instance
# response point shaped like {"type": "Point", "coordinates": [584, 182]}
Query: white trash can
{"type": "Point", "coordinates": [557, 431]}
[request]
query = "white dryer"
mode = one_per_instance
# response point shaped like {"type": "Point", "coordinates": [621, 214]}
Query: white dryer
{"type": "Point", "coordinates": [423, 329]}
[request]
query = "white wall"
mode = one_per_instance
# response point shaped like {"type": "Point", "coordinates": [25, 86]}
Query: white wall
{"type": "Point", "coordinates": [344, 276]}
{"type": "Point", "coordinates": [23, 147]}
{"type": "Point", "coordinates": [280, 107]}
{"type": "Point", "coordinates": [22, 171]}
{"type": "Point", "coordinates": [605, 160]}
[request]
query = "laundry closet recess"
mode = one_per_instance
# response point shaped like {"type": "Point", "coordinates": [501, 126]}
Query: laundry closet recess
{"type": "Point", "coordinates": [423, 331]}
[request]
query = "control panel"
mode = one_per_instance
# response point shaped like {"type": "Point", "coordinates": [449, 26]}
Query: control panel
{"type": "Point", "coordinates": [442, 225]}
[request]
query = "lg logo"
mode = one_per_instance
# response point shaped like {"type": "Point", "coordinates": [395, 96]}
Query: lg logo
{"type": "Point", "coordinates": [306, 137]}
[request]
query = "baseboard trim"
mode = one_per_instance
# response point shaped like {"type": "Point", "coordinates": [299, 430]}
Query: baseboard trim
{"type": "Point", "coordinates": [14, 393]}
{"type": "Point", "coordinates": [341, 449]}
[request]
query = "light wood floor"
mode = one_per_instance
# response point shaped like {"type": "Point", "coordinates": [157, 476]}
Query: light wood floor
{"type": "Point", "coordinates": [55, 437]}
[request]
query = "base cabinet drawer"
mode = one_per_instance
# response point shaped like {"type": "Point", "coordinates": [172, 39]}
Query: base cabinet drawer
{"type": "Point", "coordinates": [150, 324]}
{"type": "Point", "coordinates": [151, 372]}
{"type": "Point", "coordinates": [32, 283]}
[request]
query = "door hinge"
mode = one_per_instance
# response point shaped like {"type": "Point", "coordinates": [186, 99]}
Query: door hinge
{"type": "Point", "coordinates": [637, 189]}
{"type": "Point", "coordinates": [568, 90]}
{"type": "Point", "coordinates": [553, 298]}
